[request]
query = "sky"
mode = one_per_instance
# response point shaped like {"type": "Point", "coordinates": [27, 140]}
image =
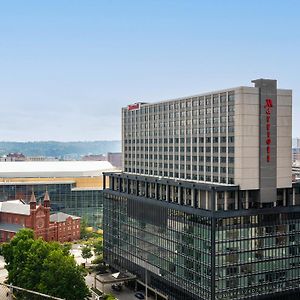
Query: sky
{"type": "Point", "coordinates": [67, 67]}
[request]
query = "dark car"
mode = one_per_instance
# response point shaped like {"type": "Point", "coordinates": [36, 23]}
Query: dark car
{"type": "Point", "coordinates": [139, 295]}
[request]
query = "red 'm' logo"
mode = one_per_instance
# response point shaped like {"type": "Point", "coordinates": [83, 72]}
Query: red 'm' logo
{"type": "Point", "coordinates": [269, 103]}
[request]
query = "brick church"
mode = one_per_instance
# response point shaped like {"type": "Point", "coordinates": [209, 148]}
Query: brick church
{"type": "Point", "coordinates": [16, 214]}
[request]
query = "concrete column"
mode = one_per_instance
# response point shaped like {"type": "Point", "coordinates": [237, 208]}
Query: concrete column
{"type": "Point", "coordinates": [206, 200]}
{"type": "Point", "coordinates": [199, 198]}
{"type": "Point", "coordinates": [216, 200]}
{"type": "Point", "coordinates": [120, 184]}
{"type": "Point", "coordinates": [236, 200]}
{"type": "Point", "coordinates": [294, 196]}
{"type": "Point", "coordinates": [247, 199]}
{"type": "Point", "coordinates": [111, 183]}
{"type": "Point", "coordinates": [193, 198]}
{"type": "Point", "coordinates": [284, 197]}
{"type": "Point", "coordinates": [225, 200]}
{"type": "Point", "coordinates": [184, 196]}
{"type": "Point", "coordinates": [156, 191]}
{"type": "Point", "coordinates": [167, 192]}
{"type": "Point", "coordinates": [179, 194]}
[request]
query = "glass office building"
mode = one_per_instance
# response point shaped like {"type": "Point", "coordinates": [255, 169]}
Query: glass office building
{"type": "Point", "coordinates": [205, 207]}
{"type": "Point", "coordinates": [74, 187]}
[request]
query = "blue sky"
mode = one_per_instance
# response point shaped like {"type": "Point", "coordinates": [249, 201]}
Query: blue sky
{"type": "Point", "coordinates": [67, 67]}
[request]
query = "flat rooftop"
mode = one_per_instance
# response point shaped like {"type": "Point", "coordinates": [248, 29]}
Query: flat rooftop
{"type": "Point", "coordinates": [58, 169]}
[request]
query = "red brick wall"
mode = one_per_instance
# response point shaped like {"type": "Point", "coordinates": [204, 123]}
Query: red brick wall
{"type": "Point", "coordinates": [39, 221]}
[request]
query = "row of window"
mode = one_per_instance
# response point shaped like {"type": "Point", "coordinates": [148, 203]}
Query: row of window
{"type": "Point", "coordinates": [217, 99]}
{"type": "Point", "coordinates": [200, 177]}
{"type": "Point", "coordinates": [214, 149]}
{"type": "Point", "coordinates": [202, 121]}
{"type": "Point", "coordinates": [182, 114]}
{"type": "Point", "coordinates": [187, 140]}
{"type": "Point", "coordinates": [132, 158]}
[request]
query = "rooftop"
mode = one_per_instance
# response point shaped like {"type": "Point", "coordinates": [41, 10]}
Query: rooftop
{"type": "Point", "coordinates": [10, 227]}
{"type": "Point", "coordinates": [15, 207]}
{"type": "Point", "coordinates": [44, 169]}
{"type": "Point", "coordinates": [61, 217]}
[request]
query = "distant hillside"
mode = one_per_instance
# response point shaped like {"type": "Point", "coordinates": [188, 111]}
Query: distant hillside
{"type": "Point", "coordinates": [60, 149]}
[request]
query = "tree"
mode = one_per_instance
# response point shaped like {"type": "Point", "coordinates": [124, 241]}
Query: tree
{"type": "Point", "coordinates": [43, 267]}
{"type": "Point", "coordinates": [98, 246]}
{"type": "Point", "coordinates": [86, 252]}
{"type": "Point", "coordinates": [83, 226]}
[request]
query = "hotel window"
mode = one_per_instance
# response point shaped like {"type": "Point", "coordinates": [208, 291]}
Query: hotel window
{"type": "Point", "coordinates": [207, 100]}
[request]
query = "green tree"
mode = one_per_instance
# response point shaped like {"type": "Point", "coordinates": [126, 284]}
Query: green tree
{"type": "Point", "coordinates": [98, 246]}
{"type": "Point", "coordinates": [83, 226]}
{"type": "Point", "coordinates": [86, 252]}
{"type": "Point", "coordinates": [43, 267]}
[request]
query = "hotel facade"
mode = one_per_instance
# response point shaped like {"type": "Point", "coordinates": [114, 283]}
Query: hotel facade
{"type": "Point", "coordinates": [205, 207]}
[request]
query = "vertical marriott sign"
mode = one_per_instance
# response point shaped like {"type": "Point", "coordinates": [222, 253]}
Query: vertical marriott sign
{"type": "Point", "coordinates": [267, 93]}
{"type": "Point", "coordinates": [268, 107]}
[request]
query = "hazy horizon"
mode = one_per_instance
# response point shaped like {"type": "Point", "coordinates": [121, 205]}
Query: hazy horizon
{"type": "Point", "coordinates": [67, 67]}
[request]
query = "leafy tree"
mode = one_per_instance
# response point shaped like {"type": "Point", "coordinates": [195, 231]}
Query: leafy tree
{"type": "Point", "coordinates": [98, 246]}
{"type": "Point", "coordinates": [98, 260]}
{"type": "Point", "coordinates": [86, 252]}
{"type": "Point", "coordinates": [43, 267]}
{"type": "Point", "coordinates": [83, 226]}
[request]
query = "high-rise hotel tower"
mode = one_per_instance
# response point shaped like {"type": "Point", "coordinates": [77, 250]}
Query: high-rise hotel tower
{"type": "Point", "coordinates": [205, 207]}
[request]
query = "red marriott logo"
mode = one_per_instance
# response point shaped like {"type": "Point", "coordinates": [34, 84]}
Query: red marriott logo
{"type": "Point", "coordinates": [135, 106]}
{"type": "Point", "coordinates": [268, 108]}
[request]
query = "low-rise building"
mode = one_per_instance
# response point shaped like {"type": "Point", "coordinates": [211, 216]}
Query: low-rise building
{"type": "Point", "coordinates": [17, 214]}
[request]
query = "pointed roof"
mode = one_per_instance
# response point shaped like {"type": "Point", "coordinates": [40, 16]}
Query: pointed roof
{"type": "Point", "coordinates": [46, 197]}
{"type": "Point", "coordinates": [32, 198]}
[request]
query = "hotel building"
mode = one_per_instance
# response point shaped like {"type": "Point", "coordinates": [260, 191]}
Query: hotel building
{"type": "Point", "coordinates": [205, 207]}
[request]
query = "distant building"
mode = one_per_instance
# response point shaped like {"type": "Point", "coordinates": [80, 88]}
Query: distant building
{"type": "Point", "coordinates": [16, 215]}
{"type": "Point", "coordinates": [41, 158]}
{"type": "Point", "coordinates": [94, 157]}
{"type": "Point", "coordinates": [75, 187]}
{"type": "Point", "coordinates": [13, 156]}
{"type": "Point", "coordinates": [115, 158]}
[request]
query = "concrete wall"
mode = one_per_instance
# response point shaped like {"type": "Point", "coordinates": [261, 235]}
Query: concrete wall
{"type": "Point", "coordinates": [247, 138]}
{"type": "Point", "coordinates": [284, 138]}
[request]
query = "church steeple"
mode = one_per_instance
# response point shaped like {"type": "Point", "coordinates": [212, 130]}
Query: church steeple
{"type": "Point", "coordinates": [32, 202]}
{"type": "Point", "coordinates": [46, 199]}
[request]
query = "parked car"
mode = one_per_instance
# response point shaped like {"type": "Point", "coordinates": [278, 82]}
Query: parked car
{"type": "Point", "coordinates": [139, 295]}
